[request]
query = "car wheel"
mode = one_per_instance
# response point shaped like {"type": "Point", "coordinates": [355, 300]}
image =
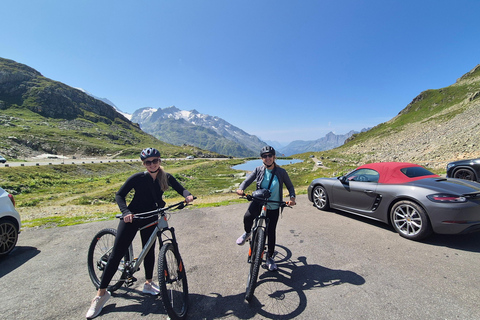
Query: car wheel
{"type": "Point", "coordinates": [465, 174]}
{"type": "Point", "coordinates": [8, 236]}
{"type": "Point", "coordinates": [320, 198]}
{"type": "Point", "coordinates": [410, 220]}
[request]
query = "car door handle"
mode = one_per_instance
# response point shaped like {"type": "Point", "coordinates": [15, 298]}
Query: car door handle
{"type": "Point", "coordinates": [368, 191]}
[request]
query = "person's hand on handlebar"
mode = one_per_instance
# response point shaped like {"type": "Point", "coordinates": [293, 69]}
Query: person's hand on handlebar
{"type": "Point", "coordinates": [189, 199]}
{"type": "Point", "coordinates": [291, 202]}
{"type": "Point", "coordinates": [240, 192]}
{"type": "Point", "coordinates": [128, 218]}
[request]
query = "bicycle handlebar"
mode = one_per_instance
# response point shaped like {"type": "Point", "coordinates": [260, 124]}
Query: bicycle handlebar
{"type": "Point", "coordinates": [161, 211]}
{"type": "Point", "coordinates": [249, 197]}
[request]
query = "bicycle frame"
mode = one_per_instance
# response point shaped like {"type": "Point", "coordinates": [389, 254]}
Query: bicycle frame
{"type": "Point", "coordinates": [160, 228]}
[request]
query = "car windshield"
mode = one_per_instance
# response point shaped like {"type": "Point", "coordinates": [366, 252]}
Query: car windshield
{"type": "Point", "coordinates": [415, 172]}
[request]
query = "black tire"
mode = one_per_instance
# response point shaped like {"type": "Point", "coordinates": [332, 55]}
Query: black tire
{"type": "Point", "coordinates": [256, 259]}
{"type": "Point", "coordinates": [320, 198]}
{"type": "Point", "coordinates": [8, 236]}
{"type": "Point", "coordinates": [465, 174]}
{"type": "Point", "coordinates": [410, 220]}
{"type": "Point", "coordinates": [172, 279]}
{"type": "Point", "coordinates": [98, 254]}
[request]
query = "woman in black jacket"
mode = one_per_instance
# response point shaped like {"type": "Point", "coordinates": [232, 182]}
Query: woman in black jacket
{"type": "Point", "coordinates": [272, 177]}
{"type": "Point", "coordinates": [149, 187]}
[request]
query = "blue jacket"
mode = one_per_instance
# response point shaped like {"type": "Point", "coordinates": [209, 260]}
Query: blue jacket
{"type": "Point", "coordinates": [259, 173]}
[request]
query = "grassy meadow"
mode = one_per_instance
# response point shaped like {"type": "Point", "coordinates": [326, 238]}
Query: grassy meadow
{"type": "Point", "coordinates": [66, 194]}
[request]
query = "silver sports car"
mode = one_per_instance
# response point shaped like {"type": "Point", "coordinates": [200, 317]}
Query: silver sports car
{"type": "Point", "coordinates": [407, 196]}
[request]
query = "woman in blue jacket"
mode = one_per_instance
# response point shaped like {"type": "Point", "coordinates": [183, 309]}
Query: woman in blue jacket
{"type": "Point", "coordinates": [269, 171]}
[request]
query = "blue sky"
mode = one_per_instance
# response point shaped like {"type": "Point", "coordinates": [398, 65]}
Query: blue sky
{"type": "Point", "coordinates": [283, 70]}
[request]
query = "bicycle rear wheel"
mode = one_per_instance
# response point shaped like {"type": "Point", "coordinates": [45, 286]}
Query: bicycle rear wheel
{"type": "Point", "coordinates": [172, 279]}
{"type": "Point", "coordinates": [98, 254]}
{"type": "Point", "coordinates": [258, 248]}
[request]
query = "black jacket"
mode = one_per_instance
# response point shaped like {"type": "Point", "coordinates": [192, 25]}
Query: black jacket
{"type": "Point", "coordinates": [148, 195]}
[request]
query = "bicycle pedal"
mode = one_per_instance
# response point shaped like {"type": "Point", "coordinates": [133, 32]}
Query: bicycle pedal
{"type": "Point", "coordinates": [129, 282]}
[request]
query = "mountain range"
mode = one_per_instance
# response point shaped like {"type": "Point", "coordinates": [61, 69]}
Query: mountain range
{"type": "Point", "coordinates": [330, 141]}
{"type": "Point", "coordinates": [215, 134]}
{"type": "Point", "coordinates": [40, 115]}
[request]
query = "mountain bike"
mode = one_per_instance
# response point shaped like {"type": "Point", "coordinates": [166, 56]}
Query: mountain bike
{"type": "Point", "coordinates": [258, 238]}
{"type": "Point", "coordinates": [172, 277]}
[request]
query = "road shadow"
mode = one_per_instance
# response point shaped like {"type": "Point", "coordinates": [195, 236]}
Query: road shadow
{"type": "Point", "coordinates": [278, 295]}
{"type": "Point", "coordinates": [138, 302]}
{"type": "Point", "coordinates": [465, 242]}
{"type": "Point", "coordinates": [17, 257]}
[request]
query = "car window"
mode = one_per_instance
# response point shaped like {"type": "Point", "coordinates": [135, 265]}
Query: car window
{"type": "Point", "coordinates": [363, 175]}
{"type": "Point", "coordinates": [414, 172]}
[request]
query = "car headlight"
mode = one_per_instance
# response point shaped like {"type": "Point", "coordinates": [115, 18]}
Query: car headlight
{"type": "Point", "coordinates": [450, 165]}
{"type": "Point", "coordinates": [443, 197]}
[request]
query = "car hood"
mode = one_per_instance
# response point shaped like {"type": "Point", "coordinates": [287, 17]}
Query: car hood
{"type": "Point", "coordinates": [448, 185]}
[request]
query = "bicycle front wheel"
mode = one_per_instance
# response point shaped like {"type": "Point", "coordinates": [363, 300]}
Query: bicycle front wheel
{"type": "Point", "coordinates": [98, 254]}
{"type": "Point", "coordinates": [258, 248]}
{"type": "Point", "coordinates": [173, 282]}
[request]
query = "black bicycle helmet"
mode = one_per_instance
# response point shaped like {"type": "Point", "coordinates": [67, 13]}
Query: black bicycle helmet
{"type": "Point", "coordinates": [149, 152]}
{"type": "Point", "coordinates": [267, 149]}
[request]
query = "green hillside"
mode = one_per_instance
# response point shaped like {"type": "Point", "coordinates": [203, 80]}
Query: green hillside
{"type": "Point", "coordinates": [438, 126]}
{"type": "Point", "coordinates": [39, 115]}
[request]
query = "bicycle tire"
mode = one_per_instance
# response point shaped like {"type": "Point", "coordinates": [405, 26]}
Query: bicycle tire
{"type": "Point", "coordinates": [172, 279]}
{"type": "Point", "coordinates": [98, 254]}
{"type": "Point", "coordinates": [258, 248]}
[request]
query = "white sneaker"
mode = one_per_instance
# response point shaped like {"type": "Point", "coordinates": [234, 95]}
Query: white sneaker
{"type": "Point", "coordinates": [97, 305]}
{"type": "Point", "coordinates": [271, 265]}
{"type": "Point", "coordinates": [243, 238]}
{"type": "Point", "coordinates": [151, 288]}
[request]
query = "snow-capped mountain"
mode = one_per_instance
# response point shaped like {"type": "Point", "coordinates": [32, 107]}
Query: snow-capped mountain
{"type": "Point", "coordinates": [204, 131]}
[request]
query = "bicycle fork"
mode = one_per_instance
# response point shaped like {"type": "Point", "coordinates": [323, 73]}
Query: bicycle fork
{"type": "Point", "coordinates": [176, 252]}
{"type": "Point", "coordinates": [258, 224]}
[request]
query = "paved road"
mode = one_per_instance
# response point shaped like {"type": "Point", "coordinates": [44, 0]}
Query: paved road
{"type": "Point", "coordinates": [332, 266]}
{"type": "Point", "coordinates": [57, 161]}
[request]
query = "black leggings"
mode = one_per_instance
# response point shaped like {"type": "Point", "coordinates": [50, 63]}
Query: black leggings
{"type": "Point", "coordinates": [125, 234]}
{"type": "Point", "coordinates": [254, 210]}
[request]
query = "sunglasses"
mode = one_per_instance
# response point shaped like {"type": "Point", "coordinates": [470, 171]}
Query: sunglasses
{"type": "Point", "coordinates": [148, 162]}
{"type": "Point", "coordinates": [264, 156]}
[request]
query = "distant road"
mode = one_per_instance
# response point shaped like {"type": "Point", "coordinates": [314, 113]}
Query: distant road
{"type": "Point", "coordinates": [57, 161]}
{"type": "Point", "coordinates": [45, 162]}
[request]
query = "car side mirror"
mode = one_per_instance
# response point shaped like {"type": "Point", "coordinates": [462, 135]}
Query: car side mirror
{"type": "Point", "coordinates": [343, 179]}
